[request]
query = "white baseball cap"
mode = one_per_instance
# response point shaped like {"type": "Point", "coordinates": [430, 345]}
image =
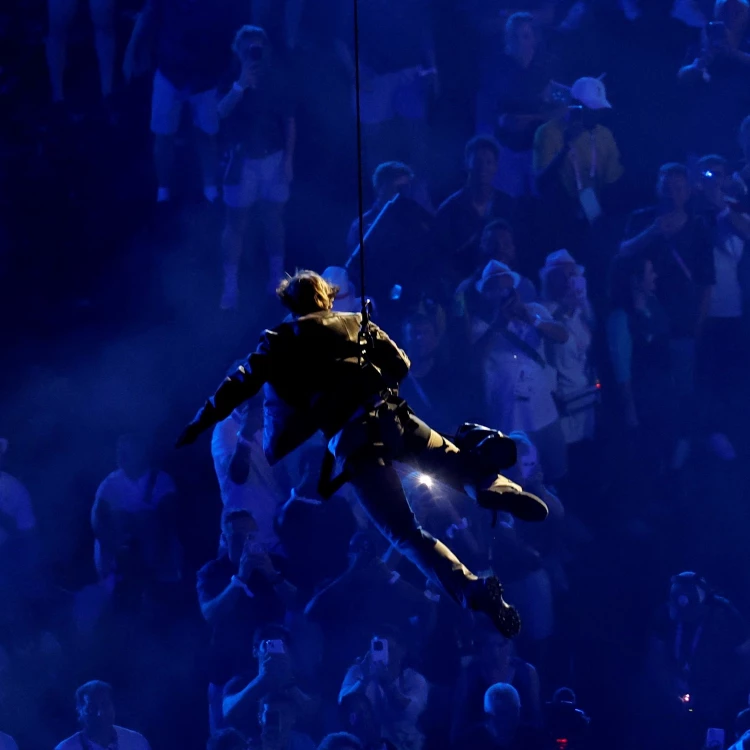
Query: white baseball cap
{"type": "Point", "coordinates": [591, 93]}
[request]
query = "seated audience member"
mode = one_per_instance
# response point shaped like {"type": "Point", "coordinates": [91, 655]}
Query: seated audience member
{"type": "Point", "coordinates": [277, 718]}
{"type": "Point", "coordinates": [518, 382]}
{"type": "Point", "coordinates": [227, 739]}
{"type": "Point", "coordinates": [134, 520]}
{"type": "Point", "coordinates": [564, 295]}
{"type": "Point", "coordinates": [358, 600]}
{"type": "Point", "coordinates": [697, 643]}
{"type": "Point", "coordinates": [678, 240]}
{"type": "Point", "coordinates": [724, 356]}
{"type": "Point", "coordinates": [494, 661]}
{"type": "Point", "coordinates": [17, 521]}
{"type": "Point", "coordinates": [8, 743]}
{"type": "Point", "coordinates": [238, 592]}
{"type": "Point", "coordinates": [96, 715]}
{"type": "Point", "coordinates": [389, 179]}
{"type": "Point", "coordinates": [461, 218]}
{"type": "Point", "coordinates": [258, 115]}
{"type": "Point", "coordinates": [511, 103]}
{"type": "Point", "coordinates": [341, 741]}
{"type": "Point", "coordinates": [192, 53]}
{"type": "Point", "coordinates": [315, 532]}
{"type": "Point", "coordinates": [397, 694]}
{"type": "Point", "coordinates": [716, 79]}
{"type": "Point", "coordinates": [497, 243]}
{"type": "Point", "coordinates": [501, 728]}
{"type": "Point", "coordinates": [246, 480]}
{"type": "Point", "coordinates": [273, 651]}
{"type": "Point", "coordinates": [576, 161]}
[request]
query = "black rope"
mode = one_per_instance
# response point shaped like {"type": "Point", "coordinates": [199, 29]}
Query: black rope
{"type": "Point", "coordinates": [364, 334]}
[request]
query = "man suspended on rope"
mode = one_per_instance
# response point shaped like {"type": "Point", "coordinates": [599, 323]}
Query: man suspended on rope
{"type": "Point", "coordinates": [324, 371]}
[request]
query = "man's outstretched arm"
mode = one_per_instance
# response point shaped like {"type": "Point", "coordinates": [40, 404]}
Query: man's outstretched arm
{"type": "Point", "coordinates": [237, 388]}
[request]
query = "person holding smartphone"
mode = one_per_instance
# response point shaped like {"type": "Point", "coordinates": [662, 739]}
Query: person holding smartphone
{"type": "Point", "coordinates": [398, 694]}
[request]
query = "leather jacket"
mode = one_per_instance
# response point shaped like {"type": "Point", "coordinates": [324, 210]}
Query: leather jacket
{"type": "Point", "coordinates": [312, 378]}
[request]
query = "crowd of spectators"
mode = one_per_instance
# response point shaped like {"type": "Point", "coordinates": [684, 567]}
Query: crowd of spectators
{"type": "Point", "coordinates": [534, 294]}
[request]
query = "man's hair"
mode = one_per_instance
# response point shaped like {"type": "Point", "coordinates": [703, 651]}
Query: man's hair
{"type": "Point", "coordinates": [507, 691]}
{"type": "Point", "coordinates": [389, 171]}
{"type": "Point", "coordinates": [673, 167]}
{"type": "Point", "coordinates": [306, 292]}
{"type": "Point", "coordinates": [271, 632]}
{"type": "Point", "coordinates": [706, 161]}
{"type": "Point", "coordinates": [246, 32]}
{"type": "Point", "coordinates": [93, 686]}
{"type": "Point", "coordinates": [479, 142]}
{"type": "Point", "coordinates": [517, 20]}
{"type": "Point", "coordinates": [340, 741]}
{"type": "Point", "coordinates": [226, 739]}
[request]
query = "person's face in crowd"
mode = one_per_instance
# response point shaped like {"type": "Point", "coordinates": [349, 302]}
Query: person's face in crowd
{"type": "Point", "coordinates": [237, 534]}
{"type": "Point", "coordinates": [131, 456]}
{"type": "Point", "coordinates": [97, 714]}
{"type": "Point", "coordinates": [498, 244]}
{"type": "Point", "coordinates": [276, 723]}
{"type": "Point", "coordinates": [252, 52]}
{"type": "Point", "coordinates": [686, 602]}
{"type": "Point", "coordinates": [714, 175]}
{"type": "Point", "coordinates": [647, 283]}
{"type": "Point", "coordinates": [499, 293]}
{"type": "Point", "coordinates": [528, 461]}
{"type": "Point", "coordinates": [482, 166]}
{"type": "Point", "coordinates": [522, 42]}
{"type": "Point", "coordinates": [504, 714]}
{"type": "Point", "coordinates": [422, 339]}
{"type": "Point", "coordinates": [401, 184]}
{"type": "Point", "coordinates": [674, 190]}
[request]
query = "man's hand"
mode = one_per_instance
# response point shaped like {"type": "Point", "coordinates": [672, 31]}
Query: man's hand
{"type": "Point", "coordinates": [189, 435]}
{"type": "Point", "coordinates": [253, 559]}
{"type": "Point", "coordinates": [276, 671]}
{"type": "Point", "coordinates": [670, 224]}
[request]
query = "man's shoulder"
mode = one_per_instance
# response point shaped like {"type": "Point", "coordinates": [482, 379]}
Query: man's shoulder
{"type": "Point", "coordinates": [452, 201]}
{"type": "Point", "coordinates": [129, 739]}
{"type": "Point", "coordinates": [73, 741]}
{"type": "Point", "coordinates": [7, 742]}
{"type": "Point", "coordinates": [551, 128]}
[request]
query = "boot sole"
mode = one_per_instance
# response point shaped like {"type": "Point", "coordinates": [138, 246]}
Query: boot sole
{"type": "Point", "coordinates": [504, 616]}
{"type": "Point", "coordinates": [522, 505]}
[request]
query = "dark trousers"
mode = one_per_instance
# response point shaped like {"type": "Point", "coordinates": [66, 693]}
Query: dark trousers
{"type": "Point", "coordinates": [379, 490]}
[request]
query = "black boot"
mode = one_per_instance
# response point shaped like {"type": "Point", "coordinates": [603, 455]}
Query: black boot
{"type": "Point", "coordinates": [486, 595]}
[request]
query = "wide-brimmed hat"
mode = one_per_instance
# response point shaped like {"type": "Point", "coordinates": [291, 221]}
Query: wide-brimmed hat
{"type": "Point", "coordinates": [558, 259]}
{"type": "Point", "coordinates": [590, 92]}
{"type": "Point", "coordinates": [494, 270]}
